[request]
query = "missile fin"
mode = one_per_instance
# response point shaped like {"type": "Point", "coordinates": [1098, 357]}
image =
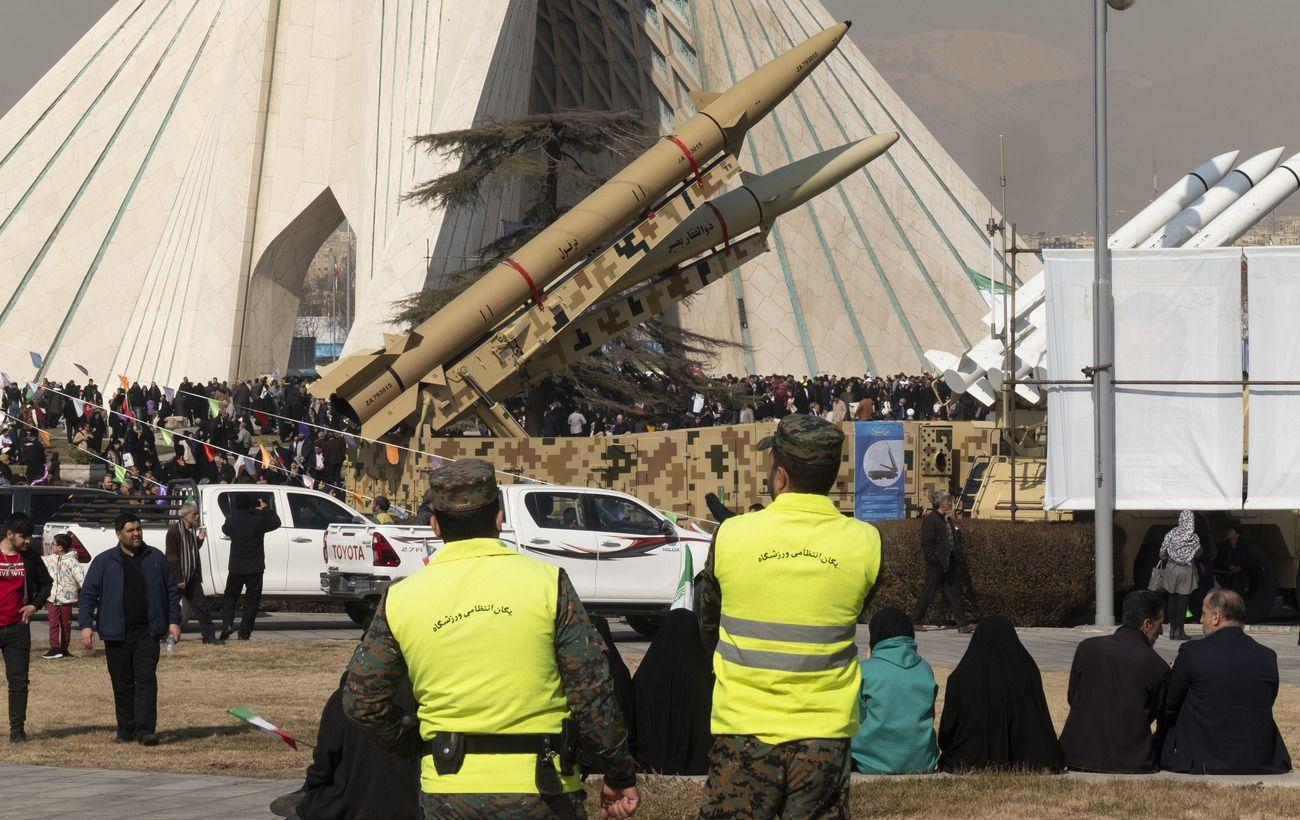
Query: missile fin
{"type": "Point", "coordinates": [400, 342]}
{"type": "Point", "coordinates": [703, 98]}
{"type": "Point", "coordinates": [346, 372]}
{"type": "Point", "coordinates": [746, 177]}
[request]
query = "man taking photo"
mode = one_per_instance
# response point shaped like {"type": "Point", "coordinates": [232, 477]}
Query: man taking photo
{"type": "Point", "coordinates": [130, 597]}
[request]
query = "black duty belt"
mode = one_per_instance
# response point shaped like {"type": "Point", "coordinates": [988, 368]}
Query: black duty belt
{"type": "Point", "coordinates": [503, 744]}
{"type": "Point", "coordinates": [448, 750]}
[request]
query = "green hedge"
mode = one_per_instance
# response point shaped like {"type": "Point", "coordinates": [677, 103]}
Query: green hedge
{"type": "Point", "coordinates": [1035, 573]}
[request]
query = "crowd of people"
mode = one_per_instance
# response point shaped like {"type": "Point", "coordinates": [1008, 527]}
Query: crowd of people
{"type": "Point", "coordinates": [762, 398]}
{"type": "Point", "coordinates": [148, 436]}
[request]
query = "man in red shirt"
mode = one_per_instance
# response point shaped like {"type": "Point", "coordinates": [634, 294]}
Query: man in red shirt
{"type": "Point", "coordinates": [24, 588]}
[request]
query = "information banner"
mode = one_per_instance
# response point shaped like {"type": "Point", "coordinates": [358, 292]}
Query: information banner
{"type": "Point", "coordinates": [880, 474]}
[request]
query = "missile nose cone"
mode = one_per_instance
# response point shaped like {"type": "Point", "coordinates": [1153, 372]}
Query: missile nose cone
{"type": "Point", "coordinates": [848, 24]}
{"type": "Point", "coordinates": [893, 137]}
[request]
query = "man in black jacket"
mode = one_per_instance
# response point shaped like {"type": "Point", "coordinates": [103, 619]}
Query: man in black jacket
{"type": "Point", "coordinates": [1220, 701]}
{"type": "Point", "coordinates": [24, 588]}
{"type": "Point", "coordinates": [130, 598]}
{"type": "Point", "coordinates": [1117, 686]}
{"type": "Point", "coordinates": [246, 527]}
{"type": "Point", "coordinates": [941, 548]}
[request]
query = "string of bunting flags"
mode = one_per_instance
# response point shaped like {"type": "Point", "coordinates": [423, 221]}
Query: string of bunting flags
{"type": "Point", "coordinates": [392, 451]}
{"type": "Point", "coordinates": [210, 451]}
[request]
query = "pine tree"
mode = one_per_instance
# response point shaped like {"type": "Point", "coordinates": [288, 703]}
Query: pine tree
{"type": "Point", "coordinates": [535, 153]}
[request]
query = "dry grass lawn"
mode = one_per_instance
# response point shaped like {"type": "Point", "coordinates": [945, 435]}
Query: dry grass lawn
{"type": "Point", "coordinates": [70, 710]}
{"type": "Point", "coordinates": [70, 721]}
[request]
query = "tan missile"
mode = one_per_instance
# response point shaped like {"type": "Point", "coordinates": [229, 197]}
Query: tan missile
{"type": "Point", "coordinates": [363, 387]}
{"type": "Point", "coordinates": [757, 203]}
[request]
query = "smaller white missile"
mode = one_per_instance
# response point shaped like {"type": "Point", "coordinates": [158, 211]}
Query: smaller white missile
{"type": "Point", "coordinates": [1183, 192]}
{"type": "Point", "coordinates": [1028, 296]}
{"type": "Point", "coordinates": [1243, 214]}
{"type": "Point", "coordinates": [1214, 201]}
{"type": "Point", "coordinates": [973, 365]}
{"type": "Point", "coordinates": [757, 203]}
{"type": "Point", "coordinates": [941, 360]}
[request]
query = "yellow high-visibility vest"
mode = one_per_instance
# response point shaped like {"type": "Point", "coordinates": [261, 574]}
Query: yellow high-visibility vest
{"type": "Point", "coordinates": [476, 627]}
{"type": "Point", "coordinates": [794, 577]}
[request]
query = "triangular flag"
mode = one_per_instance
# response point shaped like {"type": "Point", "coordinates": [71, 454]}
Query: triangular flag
{"type": "Point", "coordinates": [250, 717]}
{"type": "Point", "coordinates": [209, 452]}
{"type": "Point", "coordinates": [249, 465]}
{"type": "Point", "coordinates": [266, 457]}
{"type": "Point", "coordinates": [119, 473]}
{"type": "Point", "coordinates": [214, 409]}
{"type": "Point", "coordinates": [126, 383]}
{"type": "Point", "coordinates": [127, 414]}
{"type": "Point", "coordinates": [169, 393]}
{"type": "Point", "coordinates": [45, 437]}
{"type": "Point", "coordinates": [391, 451]}
{"type": "Point", "coordinates": [82, 368]}
{"type": "Point", "coordinates": [36, 359]}
{"type": "Point", "coordinates": [7, 381]}
{"type": "Point", "coordinates": [78, 407]}
{"type": "Point", "coordinates": [166, 435]}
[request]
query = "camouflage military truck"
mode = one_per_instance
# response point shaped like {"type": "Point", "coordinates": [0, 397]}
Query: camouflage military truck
{"type": "Point", "coordinates": [673, 470]}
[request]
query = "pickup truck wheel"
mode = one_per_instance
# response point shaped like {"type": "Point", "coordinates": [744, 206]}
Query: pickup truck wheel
{"type": "Point", "coordinates": [644, 625]}
{"type": "Point", "coordinates": [360, 612]}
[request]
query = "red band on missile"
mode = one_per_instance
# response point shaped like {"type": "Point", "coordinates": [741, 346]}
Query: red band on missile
{"type": "Point", "coordinates": [538, 296]}
{"type": "Point", "coordinates": [726, 235]}
{"type": "Point", "coordinates": [689, 156]}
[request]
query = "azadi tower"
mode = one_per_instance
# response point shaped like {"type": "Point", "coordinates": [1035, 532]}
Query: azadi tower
{"type": "Point", "coordinates": [164, 187]}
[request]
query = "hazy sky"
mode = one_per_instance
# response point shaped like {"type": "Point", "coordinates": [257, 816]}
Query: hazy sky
{"type": "Point", "coordinates": [34, 34]}
{"type": "Point", "coordinates": [1190, 79]}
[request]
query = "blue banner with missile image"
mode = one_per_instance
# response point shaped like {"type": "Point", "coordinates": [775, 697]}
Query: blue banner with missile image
{"type": "Point", "coordinates": [879, 474]}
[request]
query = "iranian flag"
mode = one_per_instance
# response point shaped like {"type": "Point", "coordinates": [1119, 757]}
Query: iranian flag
{"type": "Point", "coordinates": [249, 716]}
{"type": "Point", "coordinates": [685, 597]}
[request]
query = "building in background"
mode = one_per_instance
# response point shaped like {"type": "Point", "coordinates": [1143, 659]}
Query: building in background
{"type": "Point", "coordinates": [181, 166]}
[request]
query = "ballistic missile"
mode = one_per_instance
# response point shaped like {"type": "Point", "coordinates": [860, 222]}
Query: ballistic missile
{"type": "Point", "coordinates": [379, 389]}
{"type": "Point", "coordinates": [1214, 201]}
{"type": "Point", "coordinates": [1167, 205]}
{"type": "Point", "coordinates": [757, 203]}
{"type": "Point", "coordinates": [1242, 215]}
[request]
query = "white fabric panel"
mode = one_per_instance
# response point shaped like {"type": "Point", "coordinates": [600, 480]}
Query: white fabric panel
{"type": "Point", "coordinates": [1273, 285]}
{"type": "Point", "coordinates": [1177, 317]}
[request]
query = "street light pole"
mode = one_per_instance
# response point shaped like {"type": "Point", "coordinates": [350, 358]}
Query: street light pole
{"type": "Point", "coordinates": [1103, 339]}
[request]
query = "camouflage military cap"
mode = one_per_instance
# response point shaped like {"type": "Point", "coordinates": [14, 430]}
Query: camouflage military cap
{"type": "Point", "coordinates": [463, 485]}
{"type": "Point", "coordinates": [806, 438]}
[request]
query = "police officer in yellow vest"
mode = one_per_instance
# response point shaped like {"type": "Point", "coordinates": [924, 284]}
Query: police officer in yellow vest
{"type": "Point", "coordinates": [506, 669]}
{"type": "Point", "coordinates": [780, 597]}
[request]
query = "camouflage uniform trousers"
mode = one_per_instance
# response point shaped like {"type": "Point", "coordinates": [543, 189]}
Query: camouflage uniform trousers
{"type": "Point", "coordinates": [800, 779]}
{"type": "Point", "coordinates": [504, 806]}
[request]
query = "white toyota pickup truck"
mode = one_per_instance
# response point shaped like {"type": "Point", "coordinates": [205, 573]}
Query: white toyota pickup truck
{"type": "Point", "coordinates": [292, 552]}
{"type": "Point", "coordinates": [623, 557]}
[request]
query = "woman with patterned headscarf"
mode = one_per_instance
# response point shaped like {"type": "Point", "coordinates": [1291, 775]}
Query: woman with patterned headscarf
{"type": "Point", "coordinates": [1178, 576]}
